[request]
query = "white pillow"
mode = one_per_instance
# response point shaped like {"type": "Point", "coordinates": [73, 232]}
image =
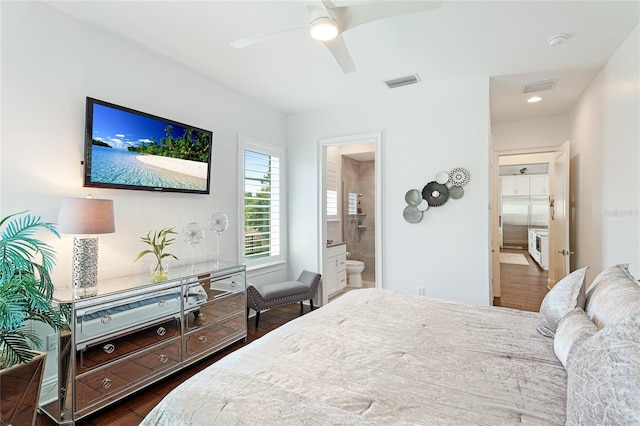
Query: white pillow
{"type": "Point", "coordinates": [573, 330]}
{"type": "Point", "coordinates": [612, 296]}
{"type": "Point", "coordinates": [567, 294]}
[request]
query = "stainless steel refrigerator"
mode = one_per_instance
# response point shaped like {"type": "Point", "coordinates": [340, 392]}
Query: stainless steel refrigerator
{"type": "Point", "coordinates": [518, 214]}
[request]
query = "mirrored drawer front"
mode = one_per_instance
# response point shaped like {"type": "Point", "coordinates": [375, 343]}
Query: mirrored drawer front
{"type": "Point", "coordinates": [96, 354]}
{"type": "Point", "coordinates": [212, 335]}
{"type": "Point", "coordinates": [93, 387]}
{"type": "Point", "coordinates": [213, 311]}
{"type": "Point", "coordinates": [94, 322]}
{"type": "Point", "coordinates": [206, 289]}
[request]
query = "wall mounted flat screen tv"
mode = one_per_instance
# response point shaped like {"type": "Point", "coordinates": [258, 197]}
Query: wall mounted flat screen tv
{"type": "Point", "coordinates": [129, 149]}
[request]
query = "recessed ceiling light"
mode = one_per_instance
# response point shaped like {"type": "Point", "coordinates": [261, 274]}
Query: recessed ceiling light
{"type": "Point", "coordinates": [534, 99]}
{"type": "Point", "coordinates": [557, 39]}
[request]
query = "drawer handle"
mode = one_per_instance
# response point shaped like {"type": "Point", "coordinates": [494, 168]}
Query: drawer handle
{"type": "Point", "coordinates": [161, 303]}
{"type": "Point", "coordinates": [234, 304]}
{"type": "Point", "coordinates": [105, 319]}
{"type": "Point", "coordinates": [161, 331]}
{"type": "Point", "coordinates": [233, 326]}
{"type": "Point", "coordinates": [109, 348]}
{"type": "Point", "coordinates": [106, 383]}
{"type": "Point", "coordinates": [203, 339]}
{"type": "Point", "coordinates": [163, 358]}
{"type": "Point", "coordinates": [233, 283]}
{"type": "Point", "coordinates": [202, 316]}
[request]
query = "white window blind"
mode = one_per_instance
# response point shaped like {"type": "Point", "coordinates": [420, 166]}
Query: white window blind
{"type": "Point", "coordinates": [331, 185]}
{"type": "Point", "coordinates": [262, 214]}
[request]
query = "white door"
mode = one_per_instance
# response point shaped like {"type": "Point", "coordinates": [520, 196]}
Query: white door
{"type": "Point", "coordinates": [560, 250]}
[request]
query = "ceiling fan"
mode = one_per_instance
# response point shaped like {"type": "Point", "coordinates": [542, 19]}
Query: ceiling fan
{"type": "Point", "coordinates": [328, 22]}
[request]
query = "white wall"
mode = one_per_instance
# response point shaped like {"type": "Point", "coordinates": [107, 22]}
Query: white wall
{"type": "Point", "coordinates": [541, 132]}
{"type": "Point", "coordinates": [50, 63]}
{"type": "Point", "coordinates": [605, 146]}
{"type": "Point", "coordinates": [448, 252]}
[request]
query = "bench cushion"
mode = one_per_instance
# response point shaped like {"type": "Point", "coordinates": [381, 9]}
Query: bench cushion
{"type": "Point", "coordinates": [283, 289]}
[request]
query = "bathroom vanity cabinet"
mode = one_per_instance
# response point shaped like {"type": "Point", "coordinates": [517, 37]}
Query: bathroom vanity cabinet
{"type": "Point", "coordinates": [135, 332]}
{"type": "Point", "coordinates": [334, 275]}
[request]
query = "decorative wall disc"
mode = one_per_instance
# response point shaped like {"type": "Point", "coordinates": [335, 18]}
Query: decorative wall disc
{"type": "Point", "coordinates": [459, 176]}
{"type": "Point", "coordinates": [456, 192]}
{"type": "Point", "coordinates": [424, 205]}
{"type": "Point", "coordinates": [442, 177]}
{"type": "Point", "coordinates": [435, 193]}
{"type": "Point", "coordinates": [413, 197]}
{"type": "Point", "coordinates": [412, 214]}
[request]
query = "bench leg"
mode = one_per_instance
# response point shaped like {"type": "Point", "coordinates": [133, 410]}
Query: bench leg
{"type": "Point", "coordinates": [257, 318]}
{"type": "Point", "coordinates": [311, 303]}
{"type": "Point", "coordinates": [301, 308]}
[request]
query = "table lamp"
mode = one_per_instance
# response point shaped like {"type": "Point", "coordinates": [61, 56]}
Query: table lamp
{"type": "Point", "coordinates": [85, 216]}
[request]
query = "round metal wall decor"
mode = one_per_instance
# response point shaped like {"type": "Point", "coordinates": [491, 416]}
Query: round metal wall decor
{"type": "Point", "coordinates": [456, 192]}
{"type": "Point", "coordinates": [423, 205]}
{"type": "Point", "coordinates": [442, 177]}
{"type": "Point", "coordinates": [412, 214]}
{"type": "Point", "coordinates": [413, 197]}
{"type": "Point", "coordinates": [459, 176]}
{"type": "Point", "coordinates": [435, 193]}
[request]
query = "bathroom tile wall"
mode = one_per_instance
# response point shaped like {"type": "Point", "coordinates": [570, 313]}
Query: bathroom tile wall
{"type": "Point", "coordinates": [359, 177]}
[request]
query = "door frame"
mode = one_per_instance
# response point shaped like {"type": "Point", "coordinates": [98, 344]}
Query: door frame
{"type": "Point", "coordinates": [323, 143]}
{"type": "Point", "coordinates": [548, 155]}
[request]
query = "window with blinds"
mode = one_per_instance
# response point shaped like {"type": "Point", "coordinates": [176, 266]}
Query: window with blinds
{"type": "Point", "coordinates": [331, 185]}
{"type": "Point", "coordinates": [262, 215]}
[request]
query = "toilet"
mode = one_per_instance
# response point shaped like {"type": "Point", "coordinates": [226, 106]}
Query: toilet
{"type": "Point", "coordinates": [354, 273]}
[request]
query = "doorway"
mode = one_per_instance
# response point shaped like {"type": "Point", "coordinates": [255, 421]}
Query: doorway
{"type": "Point", "coordinates": [525, 227]}
{"type": "Point", "coordinates": [351, 207]}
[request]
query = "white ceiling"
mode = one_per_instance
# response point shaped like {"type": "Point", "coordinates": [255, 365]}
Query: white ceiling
{"type": "Point", "coordinates": [291, 72]}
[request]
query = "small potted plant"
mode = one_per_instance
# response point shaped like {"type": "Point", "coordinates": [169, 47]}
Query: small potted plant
{"type": "Point", "coordinates": [158, 242]}
{"type": "Point", "coordinates": [26, 294]}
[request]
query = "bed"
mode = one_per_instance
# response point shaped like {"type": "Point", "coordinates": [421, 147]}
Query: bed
{"type": "Point", "coordinates": [379, 357]}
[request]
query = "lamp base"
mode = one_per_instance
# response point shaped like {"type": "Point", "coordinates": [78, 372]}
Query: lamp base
{"type": "Point", "coordinates": [85, 267]}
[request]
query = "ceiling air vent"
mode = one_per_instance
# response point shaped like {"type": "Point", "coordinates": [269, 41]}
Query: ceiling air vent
{"type": "Point", "coordinates": [540, 86]}
{"type": "Point", "coordinates": [402, 81]}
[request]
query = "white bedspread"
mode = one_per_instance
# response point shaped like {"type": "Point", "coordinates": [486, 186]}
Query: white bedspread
{"type": "Point", "coordinates": [379, 357]}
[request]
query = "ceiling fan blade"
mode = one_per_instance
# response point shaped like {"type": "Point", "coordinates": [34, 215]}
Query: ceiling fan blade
{"type": "Point", "coordinates": [339, 50]}
{"type": "Point", "coordinates": [358, 14]}
{"type": "Point", "coordinates": [258, 38]}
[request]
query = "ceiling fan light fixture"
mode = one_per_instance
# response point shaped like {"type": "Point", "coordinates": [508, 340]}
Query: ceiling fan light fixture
{"type": "Point", "coordinates": [324, 29]}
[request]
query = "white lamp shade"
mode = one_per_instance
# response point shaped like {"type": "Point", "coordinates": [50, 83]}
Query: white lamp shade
{"type": "Point", "coordinates": [86, 216]}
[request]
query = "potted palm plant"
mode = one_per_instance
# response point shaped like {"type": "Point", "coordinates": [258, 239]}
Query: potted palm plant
{"type": "Point", "coordinates": [26, 292]}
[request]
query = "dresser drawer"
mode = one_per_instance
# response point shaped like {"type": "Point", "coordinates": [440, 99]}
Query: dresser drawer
{"type": "Point", "coordinates": [211, 312]}
{"type": "Point", "coordinates": [206, 289]}
{"type": "Point", "coordinates": [127, 373]}
{"type": "Point", "coordinates": [95, 354]}
{"type": "Point", "coordinates": [100, 320]}
{"type": "Point", "coordinates": [214, 334]}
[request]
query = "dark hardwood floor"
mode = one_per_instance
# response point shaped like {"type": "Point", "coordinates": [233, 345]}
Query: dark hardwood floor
{"type": "Point", "coordinates": [132, 410]}
{"type": "Point", "coordinates": [522, 287]}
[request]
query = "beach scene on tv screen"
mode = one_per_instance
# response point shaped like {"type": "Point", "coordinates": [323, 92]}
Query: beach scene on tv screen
{"type": "Point", "coordinates": [133, 149]}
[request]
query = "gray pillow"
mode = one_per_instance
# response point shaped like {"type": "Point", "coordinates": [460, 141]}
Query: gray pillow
{"type": "Point", "coordinates": [567, 294]}
{"type": "Point", "coordinates": [607, 274]}
{"type": "Point", "coordinates": [573, 330]}
{"type": "Point", "coordinates": [603, 378]}
{"type": "Point", "coordinates": [614, 295]}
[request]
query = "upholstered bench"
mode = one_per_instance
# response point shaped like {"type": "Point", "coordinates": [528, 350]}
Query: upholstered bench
{"type": "Point", "coordinates": [271, 295]}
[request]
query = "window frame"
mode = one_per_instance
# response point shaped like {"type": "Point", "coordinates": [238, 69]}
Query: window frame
{"type": "Point", "coordinates": [249, 144]}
